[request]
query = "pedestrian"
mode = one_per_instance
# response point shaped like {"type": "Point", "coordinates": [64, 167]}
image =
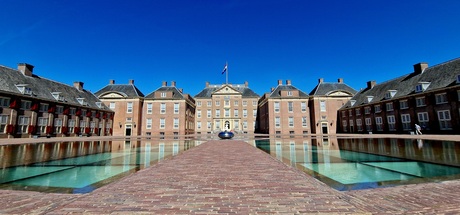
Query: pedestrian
{"type": "Point", "coordinates": [417, 129]}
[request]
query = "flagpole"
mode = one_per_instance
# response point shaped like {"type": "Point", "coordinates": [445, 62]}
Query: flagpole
{"type": "Point", "coordinates": [226, 73]}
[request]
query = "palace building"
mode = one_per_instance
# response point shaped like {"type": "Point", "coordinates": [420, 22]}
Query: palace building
{"type": "Point", "coordinates": [168, 111]}
{"type": "Point", "coordinates": [33, 106]}
{"type": "Point", "coordinates": [428, 96]}
{"type": "Point", "coordinates": [126, 100]}
{"type": "Point", "coordinates": [231, 107]}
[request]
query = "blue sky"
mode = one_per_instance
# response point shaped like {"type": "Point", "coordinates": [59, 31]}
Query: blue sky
{"type": "Point", "coordinates": [189, 42]}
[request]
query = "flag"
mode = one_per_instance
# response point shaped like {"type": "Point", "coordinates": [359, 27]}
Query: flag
{"type": "Point", "coordinates": [225, 68]}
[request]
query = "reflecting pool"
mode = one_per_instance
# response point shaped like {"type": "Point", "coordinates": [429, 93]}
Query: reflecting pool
{"type": "Point", "coordinates": [80, 167]}
{"type": "Point", "coordinates": [351, 164]}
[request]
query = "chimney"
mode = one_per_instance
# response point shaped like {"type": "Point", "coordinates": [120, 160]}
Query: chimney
{"type": "Point", "coordinates": [420, 67]}
{"type": "Point", "coordinates": [112, 81]}
{"type": "Point", "coordinates": [288, 82]}
{"type": "Point", "coordinates": [173, 83]}
{"type": "Point", "coordinates": [246, 84]}
{"type": "Point", "coordinates": [280, 82]}
{"type": "Point", "coordinates": [78, 85]}
{"type": "Point", "coordinates": [131, 81]}
{"type": "Point", "coordinates": [340, 80]}
{"type": "Point", "coordinates": [25, 69]}
{"type": "Point", "coordinates": [207, 83]}
{"type": "Point", "coordinates": [320, 80]}
{"type": "Point", "coordinates": [164, 84]}
{"type": "Point", "coordinates": [272, 89]}
{"type": "Point", "coordinates": [371, 84]}
{"type": "Point", "coordinates": [181, 90]}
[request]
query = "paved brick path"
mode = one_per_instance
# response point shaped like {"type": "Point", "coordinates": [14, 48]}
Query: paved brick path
{"type": "Point", "coordinates": [232, 177]}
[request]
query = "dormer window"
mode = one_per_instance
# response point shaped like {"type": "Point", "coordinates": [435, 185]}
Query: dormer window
{"type": "Point", "coordinates": [289, 93]}
{"type": "Point", "coordinates": [99, 104]}
{"type": "Point", "coordinates": [421, 86]}
{"type": "Point", "coordinates": [369, 99]}
{"type": "Point", "coordinates": [458, 79]}
{"type": "Point", "coordinates": [82, 101]}
{"type": "Point", "coordinates": [4, 102]}
{"type": "Point", "coordinates": [352, 102]}
{"type": "Point", "coordinates": [163, 95]}
{"type": "Point", "coordinates": [24, 89]}
{"type": "Point", "coordinates": [390, 94]}
{"type": "Point", "coordinates": [57, 96]}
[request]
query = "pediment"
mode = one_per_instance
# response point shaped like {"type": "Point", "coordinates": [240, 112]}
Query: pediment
{"type": "Point", "coordinates": [226, 90]}
{"type": "Point", "coordinates": [339, 93]}
{"type": "Point", "coordinates": [112, 95]}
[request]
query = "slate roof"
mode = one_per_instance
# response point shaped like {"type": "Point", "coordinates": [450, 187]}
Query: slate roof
{"type": "Point", "coordinates": [42, 88]}
{"type": "Point", "coordinates": [325, 88]}
{"type": "Point", "coordinates": [276, 92]}
{"type": "Point", "coordinates": [127, 90]}
{"type": "Point", "coordinates": [440, 76]}
{"type": "Point", "coordinates": [246, 92]}
{"type": "Point", "coordinates": [176, 93]}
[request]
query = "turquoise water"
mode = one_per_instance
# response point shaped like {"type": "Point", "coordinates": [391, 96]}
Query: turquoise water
{"type": "Point", "coordinates": [350, 164]}
{"type": "Point", "coordinates": [80, 167]}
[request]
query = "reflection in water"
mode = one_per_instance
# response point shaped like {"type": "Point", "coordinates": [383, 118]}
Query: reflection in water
{"type": "Point", "coordinates": [348, 164]}
{"type": "Point", "coordinates": [79, 167]}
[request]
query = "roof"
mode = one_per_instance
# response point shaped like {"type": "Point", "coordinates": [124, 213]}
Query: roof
{"type": "Point", "coordinates": [439, 76]}
{"type": "Point", "coordinates": [42, 88]}
{"type": "Point", "coordinates": [127, 90]}
{"type": "Point", "coordinates": [245, 91]}
{"type": "Point", "coordinates": [175, 92]}
{"type": "Point", "coordinates": [276, 92]}
{"type": "Point", "coordinates": [325, 88]}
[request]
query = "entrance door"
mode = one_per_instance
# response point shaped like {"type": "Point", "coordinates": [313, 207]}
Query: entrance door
{"type": "Point", "coordinates": [128, 130]}
{"type": "Point", "coordinates": [324, 128]}
{"type": "Point", "coordinates": [227, 126]}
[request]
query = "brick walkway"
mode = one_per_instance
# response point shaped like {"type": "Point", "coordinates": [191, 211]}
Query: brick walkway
{"type": "Point", "coordinates": [232, 177]}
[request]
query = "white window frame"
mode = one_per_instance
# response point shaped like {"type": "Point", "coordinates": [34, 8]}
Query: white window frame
{"type": "Point", "coordinates": [129, 107]}
{"type": "Point", "coordinates": [444, 119]}
{"type": "Point", "coordinates": [303, 106]}
{"type": "Point", "coordinates": [162, 123]}
{"type": "Point", "coordinates": [276, 107]}
{"type": "Point", "coordinates": [149, 108]}
{"type": "Point", "coordinates": [277, 122]}
{"type": "Point", "coordinates": [290, 107]}
{"type": "Point", "coordinates": [423, 119]}
{"type": "Point", "coordinates": [322, 105]}
{"type": "Point", "coordinates": [403, 104]}
{"type": "Point", "coordinates": [441, 98]}
{"type": "Point", "coordinates": [406, 122]}
{"type": "Point", "coordinates": [176, 108]}
{"type": "Point", "coordinates": [148, 124]}
{"type": "Point", "coordinates": [112, 105]}
{"type": "Point", "coordinates": [3, 123]}
{"type": "Point", "coordinates": [420, 102]}
{"type": "Point", "coordinates": [23, 123]}
{"type": "Point", "coordinates": [176, 123]}
{"type": "Point", "coordinates": [162, 108]}
{"type": "Point", "coordinates": [291, 121]}
{"type": "Point", "coordinates": [391, 120]}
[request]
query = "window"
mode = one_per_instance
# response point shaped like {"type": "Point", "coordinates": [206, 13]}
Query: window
{"type": "Point", "coordinates": [291, 121]}
{"type": "Point", "coordinates": [245, 103]}
{"type": "Point", "coordinates": [198, 113]}
{"type": "Point", "coordinates": [176, 108]}
{"type": "Point", "coordinates": [344, 125]}
{"type": "Point", "coordinates": [254, 103]}
{"type": "Point", "coordinates": [350, 112]}
{"type": "Point", "coordinates": [389, 106]}
{"type": "Point", "coordinates": [42, 123]}
{"type": "Point", "coordinates": [368, 124]}
{"type": "Point", "coordinates": [112, 105]}
{"type": "Point", "coordinates": [162, 123]}
{"type": "Point", "coordinates": [444, 120]}
{"type": "Point", "coordinates": [277, 121]}
{"type": "Point", "coordinates": [406, 123]}
{"type": "Point", "coordinates": [236, 124]}
{"type": "Point", "coordinates": [71, 125]}
{"type": "Point", "coordinates": [391, 123]}
{"type": "Point", "coordinates": [227, 112]}
{"type": "Point", "coordinates": [25, 105]}
{"type": "Point", "coordinates": [290, 107]}
{"type": "Point", "coordinates": [82, 125]}
{"type": "Point", "coordinates": [163, 94]}
{"type": "Point", "coordinates": [359, 124]}
{"type": "Point", "coordinates": [149, 108]}
{"type": "Point", "coordinates": [423, 119]}
{"type": "Point", "coordinates": [59, 109]}
{"type": "Point", "coordinates": [245, 124]}
{"type": "Point", "coordinates": [209, 103]}
{"type": "Point", "coordinates": [217, 103]}
{"type": "Point", "coordinates": [129, 107]}
{"type": "Point", "coordinates": [420, 101]}
{"type": "Point", "coordinates": [403, 104]}
{"type": "Point", "coordinates": [43, 107]}
{"type": "Point", "coordinates": [23, 123]}
{"type": "Point", "coordinates": [3, 123]}
{"type": "Point", "coordinates": [198, 103]}
{"type": "Point", "coordinates": [208, 113]}
{"type": "Point", "coordinates": [422, 86]}
{"type": "Point", "coordinates": [149, 123]}
{"type": "Point", "coordinates": [198, 125]}
{"type": "Point", "coordinates": [377, 109]}
{"type": "Point", "coordinates": [57, 125]}
{"type": "Point", "coordinates": [227, 102]}
{"type": "Point", "coordinates": [390, 94]}
{"type": "Point", "coordinates": [73, 111]}
{"type": "Point", "coordinates": [83, 112]}
{"type": "Point", "coordinates": [217, 112]}
{"type": "Point", "coordinates": [217, 124]}
{"type": "Point", "coordinates": [322, 105]}
{"type": "Point", "coordinates": [289, 93]}
{"type": "Point", "coordinates": [92, 125]}
{"type": "Point", "coordinates": [245, 113]}
{"type": "Point", "coordinates": [254, 113]}
{"type": "Point", "coordinates": [303, 106]}
{"type": "Point", "coordinates": [304, 121]}
{"type": "Point", "coordinates": [235, 103]}
{"type": "Point", "coordinates": [276, 107]}
{"type": "Point", "coordinates": [367, 110]}
{"type": "Point", "coordinates": [208, 124]}
{"type": "Point", "coordinates": [441, 98]}
{"type": "Point", "coordinates": [235, 113]}
{"type": "Point", "coordinates": [357, 112]}
{"type": "Point", "coordinates": [379, 123]}
{"type": "Point", "coordinates": [176, 123]}
{"type": "Point", "coordinates": [163, 108]}
{"type": "Point", "coordinates": [4, 102]}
